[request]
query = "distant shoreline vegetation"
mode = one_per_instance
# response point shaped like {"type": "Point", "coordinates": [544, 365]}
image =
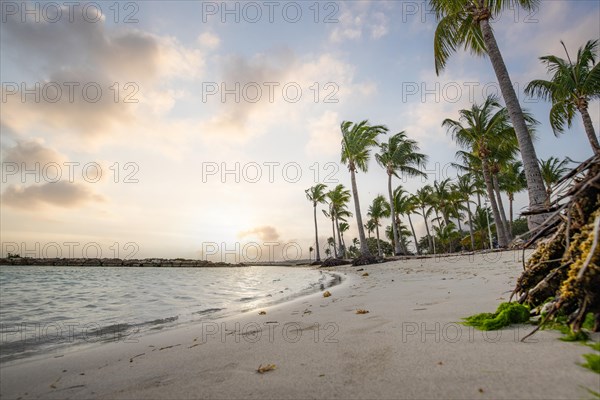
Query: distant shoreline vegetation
{"type": "Point", "coordinates": [114, 262]}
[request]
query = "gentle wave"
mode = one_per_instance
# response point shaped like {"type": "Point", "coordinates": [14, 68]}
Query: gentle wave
{"type": "Point", "coordinates": [49, 308]}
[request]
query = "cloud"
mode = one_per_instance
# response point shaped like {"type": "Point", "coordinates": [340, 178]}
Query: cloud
{"type": "Point", "coordinates": [359, 19]}
{"type": "Point", "coordinates": [264, 233]}
{"type": "Point", "coordinates": [324, 135]}
{"type": "Point", "coordinates": [209, 40]}
{"type": "Point", "coordinates": [92, 80]}
{"type": "Point", "coordinates": [59, 194]}
{"type": "Point", "coordinates": [31, 151]}
{"type": "Point", "coordinates": [323, 80]}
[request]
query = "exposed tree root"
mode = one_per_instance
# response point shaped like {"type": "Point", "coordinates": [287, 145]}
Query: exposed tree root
{"type": "Point", "coordinates": [565, 263]}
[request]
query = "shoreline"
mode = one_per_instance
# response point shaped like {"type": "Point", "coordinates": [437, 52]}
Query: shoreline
{"type": "Point", "coordinates": [409, 345]}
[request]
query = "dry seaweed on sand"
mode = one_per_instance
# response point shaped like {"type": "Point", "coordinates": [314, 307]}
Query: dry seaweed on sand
{"type": "Point", "coordinates": [265, 368]}
{"type": "Point", "coordinates": [565, 263]}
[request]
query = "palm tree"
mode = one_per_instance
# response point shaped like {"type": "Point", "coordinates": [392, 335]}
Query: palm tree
{"type": "Point", "coordinates": [399, 154]}
{"type": "Point", "coordinates": [483, 129]}
{"type": "Point", "coordinates": [441, 192]}
{"type": "Point", "coordinates": [512, 181]}
{"type": "Point", "coordinates": [343, 227]}
{"type": "Point", "coordinates": [422, 200]}
{"type": "Point", "coordinates": [316, 194]}
{"type": "Point", "coordinates": [370, 227]}
{"type": "Point", "coordinates": [481, 224]}
{"type": "Point", "coordinates": [330, 244]}
{"type": "Point", "coordinates": [572, 87]}
{"type": "Point", "coordinates": [357, 140]}
{"type": "Point", "coordinates": [338, 198]}
{"type": "Point", "coordinates": [467, 22]}
{"type": "Point", "coordinates": [331, 215]}
{"type": "Point", "coordinates": [552, 170]}
{"type": "Point", "coordinates": [378, 210]}
{"type": "Point", "coordinates": [404, 204]}
{"type": "Point", "coordinates": [465, 188]}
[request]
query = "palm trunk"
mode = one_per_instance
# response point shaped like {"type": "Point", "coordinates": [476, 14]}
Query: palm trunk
{"type": "Point", "coordinates": [400, 237]}
{"type": "Point", "coordinates": [589, 130]}
{"type": "Point", "coordinates": [340, 245]}
{"type": "Point", "coordinates": [502, 242]}
{"type": "Point", "coordinates": [427, 229]}
{"type": "Point", "coordinates": [535, 185]}
{"type": "Point", "coordinates": [458, 219]}
{"type": "Point", "coordinates": [412, 228]}
{"type": "Point", "coordinates": [364, 249]}
{"type": "Point", "coordinates": [378, 245]}
{"type": "Point", "coordinates": [511, 198]}
{"type": "Point", "coordinates": [316, 233]}
{"type": "Point", "coordinates": [471, 226]}
{"type": "Point", "coordinates": [501, 206]}
{"type": "Point", "coordinates": [478, 199]}
{"type": "Point", "coordinates": [335, 253]}
{"type": "Point", "coordinates": [394, 224]}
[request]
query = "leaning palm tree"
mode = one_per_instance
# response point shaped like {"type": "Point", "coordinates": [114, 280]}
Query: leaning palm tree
{"type": "Point", "coordinates": [572, 87]}
{"type": "Point", "coordinates": [316, 194]}
{"type": "Point", "coordinates": [467, 23]}
{"type": "Point", "coordinates": [512, 181]}
{"type": "Point", "coordinates": [378, 210]}
{"type": "Point", "coordinates": [400, 154]}
{"type": "Point", "coordinates": [357, 141]}
{"type": "Point", "coordinates": [483, 129]}
{"type": "Point", "coordinates": [552, 170]}
{"type": "Point", "coordinates": [330, 214]}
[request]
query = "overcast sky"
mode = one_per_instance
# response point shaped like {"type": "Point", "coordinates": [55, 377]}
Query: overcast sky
{"type": "Point", "coordinates": [182, 129]}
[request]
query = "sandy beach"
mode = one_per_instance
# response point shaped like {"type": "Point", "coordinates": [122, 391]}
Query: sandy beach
{"type": "Point", "coordinates": [409, 345]}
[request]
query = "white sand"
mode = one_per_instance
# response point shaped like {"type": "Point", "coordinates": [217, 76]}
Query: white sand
{"type": "Point", "coordinates": [409, 345]}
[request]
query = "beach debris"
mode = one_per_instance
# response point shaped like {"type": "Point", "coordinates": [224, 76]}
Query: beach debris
{"type": "Point", "coordinates": [361, 311]}
{"type": "Point", "coordinates": [266, 368]}
{"type": "Point", "coordinates": [262, 313]}
{"type": "Point", "coordinates": [326, 293]}
{"type": "Point", "coordinates": [565, 266]}
{"type": "Point", "coordinates": [321, 376]}
{"type": "Point", "coordinates": [53, 384]}
{"type": "Point", "coordinates": [365, 274]}
{"type": "Point", "coordinates": [138, 355]}
{"type": "Point", "coordinates": [440, 363]}
{"type": "Point", "coordinates": [194, 345]}
{"type": "Point", "coordinates": [506, 314]}
{"type": "Point", "coordinates": [480, 390]}
{"type": "Point", "coordinates": [169, 347]}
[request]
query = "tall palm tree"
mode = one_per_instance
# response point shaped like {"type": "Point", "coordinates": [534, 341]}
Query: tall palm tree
{"type": "Point", "coordinates": [441, 192]}
{"type": "Point", "coordinates": [467, 22]}
{"type": "Point", "coordinates": [482, 129]}
{"type": "Point", "coordinates": [330, 214]}
{"type": "Point", "coordinates": [465, 188]}
{"type": "Point", "coordinates": [552, 170]}
{"type": "Point", "coordinates": [379, 209]}
{"type": "Point", "coordinates": [338, 198]}
{"type": "Point", "coordinates": [512, 180]}
{"type": "Point", "coordinates": [316, 194]}
{"type": "Point", "coordinates": [404, 204]}
{"type": "Point", "coordinates": [357, 141]}
{"type": "Point", "coordinates": [572, 87]}
{"type": "Point", "coordinates": [343, 227]}
{"type": "Point", "coordinates": [399, 154]}
{"type": "Point", "coordinates": [370, 227]}
{"type": "Point", "coordinates": [422, 200]}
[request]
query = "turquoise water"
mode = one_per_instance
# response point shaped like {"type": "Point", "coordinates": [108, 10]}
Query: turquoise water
{"type": "Point", "coordinates": [45, 308]}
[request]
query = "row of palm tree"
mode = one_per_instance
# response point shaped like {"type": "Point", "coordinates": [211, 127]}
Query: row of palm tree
{"type": "Point", "coordinates": [490, 135]}
{"type": "Point", "coordinates": [466, 23]}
